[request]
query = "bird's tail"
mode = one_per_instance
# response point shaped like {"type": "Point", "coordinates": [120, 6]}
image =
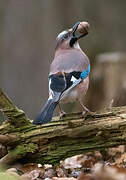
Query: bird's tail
{"type": "Point", "coordinates": [46, 113]}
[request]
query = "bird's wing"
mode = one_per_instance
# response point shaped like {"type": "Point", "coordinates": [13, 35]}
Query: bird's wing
{"type": "Point", "coordinates": [57, 84]}
{"type": "Point", "coordinates": [68, 69]}
{"type": "Point", "coordinates": [61, 84]}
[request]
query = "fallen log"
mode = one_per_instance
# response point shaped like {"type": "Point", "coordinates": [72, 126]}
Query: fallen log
{"type": "Point", "coordinates": [61, 138]}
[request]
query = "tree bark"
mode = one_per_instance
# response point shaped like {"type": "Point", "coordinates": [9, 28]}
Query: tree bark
{"type": "Point", "coordinates": [61, 138]}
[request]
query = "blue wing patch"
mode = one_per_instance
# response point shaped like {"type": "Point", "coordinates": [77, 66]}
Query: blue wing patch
{"type": "Point", "coordinates": [85, 73]}
{"type": "Point", "coordinates": [61, 84]}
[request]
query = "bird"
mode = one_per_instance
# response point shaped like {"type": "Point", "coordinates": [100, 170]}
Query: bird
{"type": "Point", "coordinates": [69, 73]}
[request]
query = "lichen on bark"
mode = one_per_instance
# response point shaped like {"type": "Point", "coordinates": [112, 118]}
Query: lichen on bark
{"type": "Point", "coordinates": [61, 138]}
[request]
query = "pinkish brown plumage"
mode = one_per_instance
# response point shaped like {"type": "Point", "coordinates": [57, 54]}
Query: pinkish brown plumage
{"type": "Point", "coordinates": [69, 73]}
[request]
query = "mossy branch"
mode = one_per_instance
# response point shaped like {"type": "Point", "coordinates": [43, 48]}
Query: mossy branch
{"type": "Point", "coordinates": [62, 138]}
{"type": "Point", "coordinates": [15, 116]}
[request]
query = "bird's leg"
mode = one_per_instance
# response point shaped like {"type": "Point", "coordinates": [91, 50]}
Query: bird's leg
{"type": "Point", "coordinates": [85, 109]}
{"type": "Point", "coordinates": [61, 112]}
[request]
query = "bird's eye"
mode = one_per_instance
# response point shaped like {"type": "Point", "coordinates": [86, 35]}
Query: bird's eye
{"type": "Point", "coordinates": [65, 36]}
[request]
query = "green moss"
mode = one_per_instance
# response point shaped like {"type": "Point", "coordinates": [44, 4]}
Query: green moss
{"type": "Point", "coordinates": [31, 147]}
{"type": "Point", "coordinates": [22, 150]}
{"type": "Point", "coordinates": [5, 176]}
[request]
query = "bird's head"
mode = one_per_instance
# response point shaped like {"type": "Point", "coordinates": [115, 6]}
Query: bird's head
{"type": "Point", "coordinates": [69, 39]}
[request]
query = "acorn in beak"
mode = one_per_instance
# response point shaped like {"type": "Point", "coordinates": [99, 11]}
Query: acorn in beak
{"type": "Point", "coordinates": [80, 27]}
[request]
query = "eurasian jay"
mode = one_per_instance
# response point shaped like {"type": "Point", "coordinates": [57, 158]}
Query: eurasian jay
{"type": "Point", "coordinates": [69, 74]}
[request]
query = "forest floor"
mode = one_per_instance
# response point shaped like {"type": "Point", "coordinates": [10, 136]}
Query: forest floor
{"type": "Point", "coordinates": [109, 164]}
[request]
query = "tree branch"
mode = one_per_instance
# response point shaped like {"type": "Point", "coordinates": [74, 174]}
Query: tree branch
{"type": "Point", "coordinates": [52, 142]}
{"type": "Point", "coordinates": [15, 116]}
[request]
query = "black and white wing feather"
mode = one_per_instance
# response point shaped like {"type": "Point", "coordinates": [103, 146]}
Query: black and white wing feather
{"type": "Point", "coordinates": [60, 85]}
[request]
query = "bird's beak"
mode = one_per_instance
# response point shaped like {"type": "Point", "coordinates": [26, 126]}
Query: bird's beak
{"type": "Point", "coordinates": [74, 29]}
{"type": "Point", "coordinates": [75, 36]}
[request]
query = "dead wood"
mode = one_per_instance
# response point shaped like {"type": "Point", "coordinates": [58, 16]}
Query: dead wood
{"type": "Point", "coordinates": [62, 138]}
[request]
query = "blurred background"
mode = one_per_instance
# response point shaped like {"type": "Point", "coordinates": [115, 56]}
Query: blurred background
{"type": "Point", "coordinates": [27, 41]}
